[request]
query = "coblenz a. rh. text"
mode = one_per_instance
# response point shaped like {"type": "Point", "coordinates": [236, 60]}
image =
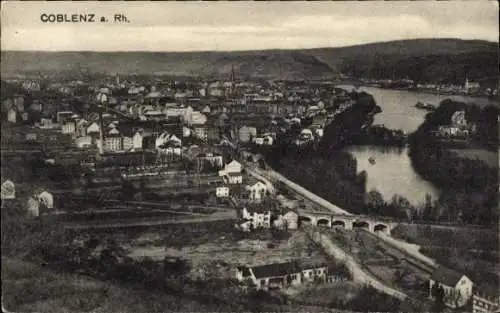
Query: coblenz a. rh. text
{"type": "Point", "coordinates": [68, 18]}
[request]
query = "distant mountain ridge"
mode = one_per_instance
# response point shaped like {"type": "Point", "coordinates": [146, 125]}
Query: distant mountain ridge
{"type": "Point", "coordinates": [447, 60]}
{"type": "Point", "coordinates": [444, 59]}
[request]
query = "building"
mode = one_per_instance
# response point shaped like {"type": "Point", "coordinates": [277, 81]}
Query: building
{"type": "Point", "coordinates": [209, 159]}
{"type": "Point", "coordinates": [289, 220]}
{"type": "Point", "coordinates": [233, 178]}
{"type": "Point", "coordinates": [457, 287]}
{"type": "Point", "coordinates": [8, 191]}
{"type": "Point", "coordinates": [83, 142]}
{"type": "Point", "coordinates": [485, 302]}
{"type": "Point", "coordinates": [258, 191]}
{"type": "Point", "coordinates": [93, 127]}
{"type": "Point", "coordinates": [13, 115]}
{"type": "Point", "coordinates": [255, 216]}
{"type": "Point", "coordinates": [200, 131]}
{"type": "Point", "coordinates": [63, 116]}
{"type": "Point", "coordinates": [46, 200]}
{"type": "Point", "coordinates": [31, 136]}
{"type": "Point", "coordinates": [33, 207]}
{"type": "Point", "coordinates": [246, 133]}
{"type": "Point", "coordinates": [112, 143]}
{"type": "Point", "coordinates": [222, 192]}
{"type": "Point", "coordinates": [281, 275]}
{"type": "Point", "coordinates": [137, 140]}
{"type": "Point", "coordinates": [458, 119]}
{"type": "Point", "coordinates": [232, 167]}
{"type": "Point", "coordinates": [69, 127]}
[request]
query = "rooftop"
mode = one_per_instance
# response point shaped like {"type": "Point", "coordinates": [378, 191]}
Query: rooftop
{"type": "Point", "coordinates": [274, 270]}
{"type": "Point", "coordinates": [446, 276]}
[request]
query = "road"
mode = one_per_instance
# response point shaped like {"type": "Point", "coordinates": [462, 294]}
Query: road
{"type": "Point", "coordinates": [357, 271]}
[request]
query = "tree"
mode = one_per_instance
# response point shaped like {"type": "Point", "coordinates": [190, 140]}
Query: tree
{"type": "Point", "coordinates": [374, 199]}
{"type": "Point", "coordinates": [438, 294]}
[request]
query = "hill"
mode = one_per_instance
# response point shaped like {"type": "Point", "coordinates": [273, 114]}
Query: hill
{"type": "Point", "coordinates": [263, 64]}
{"type": "Point", "coordinates": [420, 59]}
{"type": "Point", "coordinates": [446, 60]}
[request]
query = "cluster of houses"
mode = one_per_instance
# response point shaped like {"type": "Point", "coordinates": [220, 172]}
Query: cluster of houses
{"type": "Point", "coordinates": [204, 108]}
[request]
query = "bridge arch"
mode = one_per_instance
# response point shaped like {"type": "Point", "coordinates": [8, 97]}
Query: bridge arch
{"type": "Point", "coordinates": [323, 222]}
{"type": "Point", "coordinates": [305, 220]}
{"type": "Point", "coordinates": [361, 224]}
{"type": "Point", "coordinates": [380, 227]}
{"type": "Point", "coordinates": [339, 223]}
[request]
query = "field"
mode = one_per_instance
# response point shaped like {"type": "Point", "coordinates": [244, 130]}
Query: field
{"type": "Point", "coordinates": [325, 294]}
{"type": "Point", "coordinates": [490, 157]}
{"type": "Point", "coordinates": [220, 256]}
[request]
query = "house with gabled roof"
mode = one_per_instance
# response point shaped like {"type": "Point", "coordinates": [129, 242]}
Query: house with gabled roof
{"type": "Point", "coordinates": [457, 287]}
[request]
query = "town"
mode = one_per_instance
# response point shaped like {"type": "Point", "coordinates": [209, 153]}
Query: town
{"type": "Point", "coordinates": [128, 153]}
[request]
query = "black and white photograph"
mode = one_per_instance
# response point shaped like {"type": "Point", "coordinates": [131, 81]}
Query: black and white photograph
{"type": "Point", "coordinates": [250, 156]}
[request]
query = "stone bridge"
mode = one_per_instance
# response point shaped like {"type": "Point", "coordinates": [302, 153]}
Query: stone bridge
{"type": "Point", "coordinates": [349, 222]}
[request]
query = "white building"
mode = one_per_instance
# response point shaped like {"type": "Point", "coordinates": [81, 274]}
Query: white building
{"type": "Point", "coordinates": [222, 191]}
{"type": "Point", "coordinates": [258, 216]}
{"type": "Point", "coordinates": [233, 178]}
{"type": "Point", "coordinates": [281, 275]}
{"type": "Point", "coordinates": [211, 158]}
{"type": "Point", "coordinates": [258, 191]}
{"type": "Point", "coordinates": [232, 167]}
{"type": "Point", "coordinates": [93, 128]}
{"type": "Point", "coordinates": [8, 190]}
{"type": "Point", "coordinates": [84, 141]}
{"type": "Point", "coordinates": [46, 199]}
{"type": "Point", "coordinates": [289, 220]}
{"type": "Point", "coordinates": [69, 127]}
{"type": "Point", "coordinates": [12, 115]}
{"type": "Point", "coordinates": [137, 140]}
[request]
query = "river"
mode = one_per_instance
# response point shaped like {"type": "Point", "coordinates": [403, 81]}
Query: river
{"type": "Point", "coordinates": [393, 172]}
{"type": "Point", "coordinates": [398, 106]}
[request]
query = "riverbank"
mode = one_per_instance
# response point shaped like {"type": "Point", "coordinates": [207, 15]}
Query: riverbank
{"type": "Point", "coordinates": [433, 92]}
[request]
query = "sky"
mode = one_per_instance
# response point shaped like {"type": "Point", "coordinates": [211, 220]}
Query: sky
{"type": "Point", "coordinates": [202, 26]}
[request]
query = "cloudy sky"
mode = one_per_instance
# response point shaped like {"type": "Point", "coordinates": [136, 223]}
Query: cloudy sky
{"type": "Point", "coordinates": [185, 26]}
